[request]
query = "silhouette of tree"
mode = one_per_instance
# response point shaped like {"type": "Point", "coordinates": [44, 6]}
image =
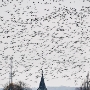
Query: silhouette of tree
{"type": "Point", "coordinates": [86, 84]}
{"type": "Point", "coordinates": [18, 86]}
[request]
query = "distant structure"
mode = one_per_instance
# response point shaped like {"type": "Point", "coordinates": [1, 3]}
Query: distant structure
{"type": "Point", "coordinates": [11, 75]}
{"type": "Point", "coordinates": [42, 85]}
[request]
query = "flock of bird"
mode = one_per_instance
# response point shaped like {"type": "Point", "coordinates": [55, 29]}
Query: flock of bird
{"type": "Point", "coordinates": [58, 41]}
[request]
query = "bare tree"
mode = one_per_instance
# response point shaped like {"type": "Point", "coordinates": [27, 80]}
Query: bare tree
{"type": "Point", "coordinates": [23, 85]}
{"type": "Point", "coordinates": [18, 86]}
{"type": "Point", "coordinates": [86, 84]}
{"type": "Point", "coordinates": [12, 87]}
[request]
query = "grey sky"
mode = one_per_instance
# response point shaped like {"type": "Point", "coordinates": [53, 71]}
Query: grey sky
{"type": "Point", "coordinates": [45, 34]}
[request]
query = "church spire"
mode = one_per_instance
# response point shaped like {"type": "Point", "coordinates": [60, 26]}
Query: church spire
{"type": "Point", "coordinates": [42, 73]}
{"type": "Point", "coordinates": [42, 85]}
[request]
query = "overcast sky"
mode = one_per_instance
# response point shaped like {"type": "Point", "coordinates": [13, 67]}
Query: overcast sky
{"type": "Point", "coordinates": [53, 35]}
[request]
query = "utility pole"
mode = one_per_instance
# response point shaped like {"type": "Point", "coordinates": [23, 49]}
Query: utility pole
{"type": "Point", "coordinates": [11, 74]}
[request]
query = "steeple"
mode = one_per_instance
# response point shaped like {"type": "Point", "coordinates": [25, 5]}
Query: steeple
{"type": "Point", "coordinates": [42, 73]}
{"type": "Point", "coordinates": [42, 85]}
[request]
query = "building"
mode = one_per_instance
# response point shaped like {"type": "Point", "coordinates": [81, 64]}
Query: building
{"type": "Point", "coordinates": [42, 85]}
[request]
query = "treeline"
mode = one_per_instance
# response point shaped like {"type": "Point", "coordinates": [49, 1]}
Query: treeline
{"type": "Point", "coordinates": [16, 86]}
